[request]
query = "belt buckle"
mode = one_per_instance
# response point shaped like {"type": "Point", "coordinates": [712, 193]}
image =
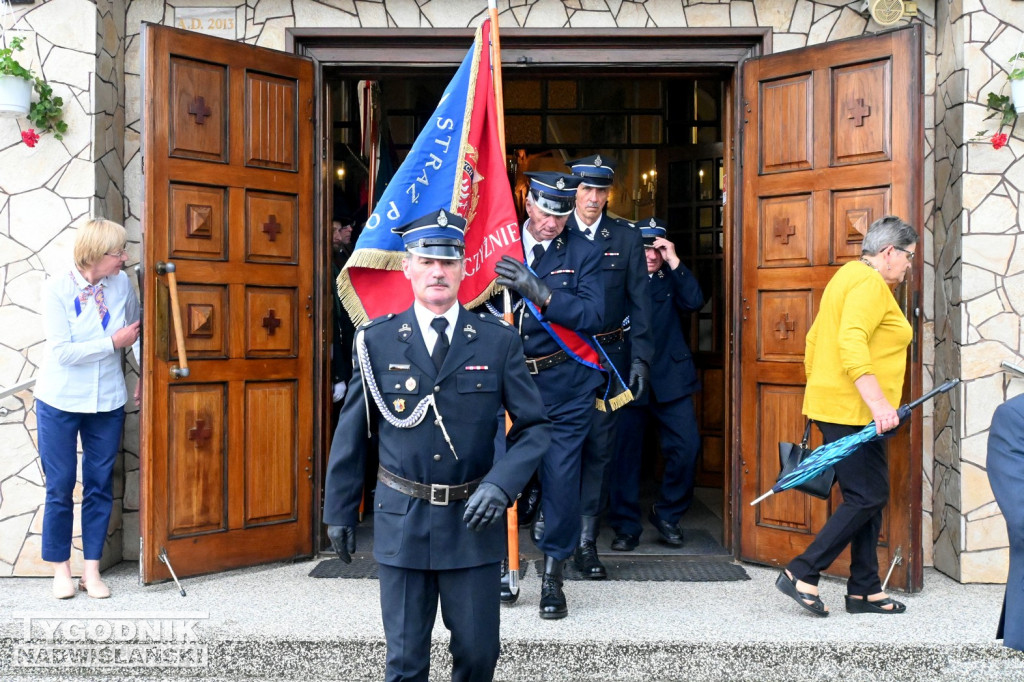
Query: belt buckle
{"type": "Point", "coordinates": [439, 494]}
{"type": "Point", "coordinates": [531, 366]}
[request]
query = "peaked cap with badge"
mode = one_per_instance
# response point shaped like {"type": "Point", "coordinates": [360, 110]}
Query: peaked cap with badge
{"type": "Point", "coordinates": [594, 171]}
{"type": "Point", "coordinates": [435, 235]}
{"type": "Point", "coordinates": [651, 229]}
{"type": "Point", "coordinates": [553, 192]}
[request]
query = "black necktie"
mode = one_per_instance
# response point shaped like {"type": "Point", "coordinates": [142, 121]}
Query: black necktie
{"type": "Point", "coordinates": [586, 232]}
{"type": "Point", "coordinates": [439, 324]}
{"type": "Point", "coordinates": [538, 253]}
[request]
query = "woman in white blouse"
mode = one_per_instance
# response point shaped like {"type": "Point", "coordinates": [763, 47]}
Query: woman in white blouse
{"type": "Point", "coordinates": [90, 313]}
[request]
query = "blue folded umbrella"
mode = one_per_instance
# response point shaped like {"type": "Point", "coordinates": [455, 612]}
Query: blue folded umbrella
{"type": "Point", "coordinates": [828, 454]}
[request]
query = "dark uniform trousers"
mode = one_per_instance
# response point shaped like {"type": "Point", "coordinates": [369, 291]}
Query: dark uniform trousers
{"type": "Point", "coordinates": [425, 551]}
{"type": "Point", "coordinates": [863, 478]}
{"type": "Point", "coordinates": [571, 268]}
{"type": "Point", "coordinates": [673, 381]}
{"type": "Point", "coordinates": [1006, 474]}
{"type": "Point", "coordinates": [624, 277]}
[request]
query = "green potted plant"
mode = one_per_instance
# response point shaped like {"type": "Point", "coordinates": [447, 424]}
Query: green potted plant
{"type": "Point", "coordinates": [1005, 107]}
{"type": "Point", "coordinates": [16, 86]}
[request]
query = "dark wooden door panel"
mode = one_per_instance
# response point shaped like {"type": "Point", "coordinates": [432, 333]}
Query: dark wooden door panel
{"type": "Point", "coordinates": [226, 450]}
{"type": "Point", "coordinates": [832, 142]}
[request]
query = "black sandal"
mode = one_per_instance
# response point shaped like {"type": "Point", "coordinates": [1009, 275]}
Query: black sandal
{"type": "Point", "coordinates": [862, 605]}
{"type": "Point", "coordinates": [787, 586]}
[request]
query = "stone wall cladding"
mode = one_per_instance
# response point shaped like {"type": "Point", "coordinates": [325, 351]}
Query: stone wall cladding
{"type": "Point", "coordinates": [954, 75]}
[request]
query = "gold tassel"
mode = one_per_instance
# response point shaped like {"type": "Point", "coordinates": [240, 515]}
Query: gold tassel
{"type": "Point", "coordinates": [621, 400]}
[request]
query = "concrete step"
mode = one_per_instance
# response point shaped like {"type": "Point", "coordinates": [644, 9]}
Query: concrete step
{"type": "Point", "coordinates": [274, 622]}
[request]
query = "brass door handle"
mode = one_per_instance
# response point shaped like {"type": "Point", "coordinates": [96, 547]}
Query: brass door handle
{"type": "Point", "coordinates": [168, 269]}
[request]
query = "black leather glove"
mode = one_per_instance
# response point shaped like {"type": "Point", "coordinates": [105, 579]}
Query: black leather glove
{"type": "Point", "coordinates": [485, 506]}
{"type": "Point", "coordinates": [343, 540]}
{"type": "Point", "coordinates": [515, 276]}
{"type": "Point", "coordinates": [639, 373]}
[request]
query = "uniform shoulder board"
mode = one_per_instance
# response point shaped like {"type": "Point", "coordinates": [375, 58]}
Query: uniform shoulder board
{"type": "Point", "coordinates": [491, 319]}
{"type": "Point", "coordinates": [376, 321]}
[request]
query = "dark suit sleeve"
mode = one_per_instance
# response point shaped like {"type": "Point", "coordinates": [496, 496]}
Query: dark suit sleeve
{"type": "Point", "coordinates": [530, 435]}
{"type": "Point", "coordinates": [688, 296]}
{"type": "Point", "coordinates": [638, 300]}
{"type": "Point", "coordinates": [343, 487]}
{"type": "Point", "coordinates": [1006, 462]}
{"type": "Point", "coordinates": [584, 310]}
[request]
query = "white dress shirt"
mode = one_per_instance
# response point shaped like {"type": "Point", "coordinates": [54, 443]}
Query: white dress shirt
{"type": "Point", "coordinates": [583, 226]}
{"type": "Point", "coordinates": [529, 242]}
{"type": "Point", "coordinates": [424, 317]}
{"type": "Point", "coordinates": [81, 369]}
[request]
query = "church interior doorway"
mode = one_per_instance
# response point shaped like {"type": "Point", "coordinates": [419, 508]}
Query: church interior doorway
{"type": "Point", "coordinates": [668, 136]}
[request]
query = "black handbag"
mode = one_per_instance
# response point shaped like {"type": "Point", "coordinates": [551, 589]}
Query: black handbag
{"type": "Point", "coordinates": [791, 454]}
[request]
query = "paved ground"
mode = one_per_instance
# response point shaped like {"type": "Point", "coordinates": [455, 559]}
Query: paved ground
{"type": "Point", "coordinates": [275, 622]}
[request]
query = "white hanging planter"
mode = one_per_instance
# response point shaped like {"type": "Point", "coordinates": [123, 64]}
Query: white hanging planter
{"type": "Point", "coordinates": [1017, 95]}
{"type": "Point", "coordinates": [15, 96]}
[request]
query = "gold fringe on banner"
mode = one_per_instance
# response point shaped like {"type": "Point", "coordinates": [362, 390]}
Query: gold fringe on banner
{"type": "Point", "coordinates": [377, 259]}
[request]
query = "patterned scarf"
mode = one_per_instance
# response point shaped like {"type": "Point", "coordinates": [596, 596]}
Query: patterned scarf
{"type": "Point", "coordinates": [92, 291]}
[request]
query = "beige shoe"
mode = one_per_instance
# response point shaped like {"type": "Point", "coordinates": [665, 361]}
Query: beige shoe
{"type": "Point", "coordinates": [63, 587]}
{"type": "Point", "coordinates": [96, 589]}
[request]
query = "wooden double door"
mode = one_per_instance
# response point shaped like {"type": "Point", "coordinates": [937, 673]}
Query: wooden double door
{"type": "Point", "coordinates": [828, 139]}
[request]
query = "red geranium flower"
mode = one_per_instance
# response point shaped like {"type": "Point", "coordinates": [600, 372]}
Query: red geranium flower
{"type": "Point", "coordinates": [999, 140]}
{"type": "Point", "coordinates": [30, 137]}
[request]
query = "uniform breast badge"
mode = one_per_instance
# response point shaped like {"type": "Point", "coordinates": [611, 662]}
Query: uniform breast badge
{"type": "Point", "coordinates": [399, 404]}
{"type": "Point", "coordinates": [410, 385]}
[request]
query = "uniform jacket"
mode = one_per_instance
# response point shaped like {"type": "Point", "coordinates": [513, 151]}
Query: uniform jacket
{"type": "Point", "coordinates": [673, 293]}
{"type": "Point", "coordinates": [483, 371]}
{"type": "Point", "coordinates": [624, 271]}
{"type": "Point", "coordinates": [1006, 475]}
{"type": "Point", "coordinates": [571, 267]}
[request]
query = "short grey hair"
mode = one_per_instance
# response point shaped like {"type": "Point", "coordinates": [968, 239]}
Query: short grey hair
{"type": "Point", "coordinates": [885, 232]}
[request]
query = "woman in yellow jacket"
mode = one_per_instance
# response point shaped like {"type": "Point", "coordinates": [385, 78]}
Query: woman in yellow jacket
{"type": "Point", "coordinates": [855, 358]}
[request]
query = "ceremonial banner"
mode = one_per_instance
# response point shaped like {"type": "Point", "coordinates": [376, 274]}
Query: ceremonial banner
{"type": "Point", "coordinates": [458, 164]}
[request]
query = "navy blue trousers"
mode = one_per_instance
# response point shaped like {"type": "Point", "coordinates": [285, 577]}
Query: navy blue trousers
{"type": "Point", "coordinates": [560, 475]}
{"type": "Point", "coordinates": [58, 433]}
{"type": "Point", "coordinates": [863, 478]}
{"type": "Point", "coordinates": [470, 609]}
{"type": "Point", "coordinates": [680, 443]}
{"type": "Point", "coordinates": [598, 453]}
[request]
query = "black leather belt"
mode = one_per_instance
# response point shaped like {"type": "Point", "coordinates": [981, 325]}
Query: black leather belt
{"type": "Point", "coordinates": [538, 365]}
{"type": "Point", "coordinates": [609, 337]}
{"type": "Point", "coordinates": [435, 493]}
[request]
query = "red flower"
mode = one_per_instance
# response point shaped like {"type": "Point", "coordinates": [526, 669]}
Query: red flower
{"type": "Point", "coordinates": [30, 136]}
{"type": "Point", "coordinates": [999, 140]}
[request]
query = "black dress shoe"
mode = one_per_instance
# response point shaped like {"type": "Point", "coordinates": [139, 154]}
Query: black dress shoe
{"type": "Point", "coordinates": [537, 532]}
{"type": "Point", "coordinates": [624, 542]}
{"type": "Point", "coordinates": [668, 533]}
{"type": "Point", "coordinates": [590, 567]}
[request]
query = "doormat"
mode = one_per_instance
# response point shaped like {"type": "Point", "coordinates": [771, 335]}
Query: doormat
{"type": "Point", "coordinates": [642, 570]}
{"type": "Point", "coordinates": [361, 567]}
{"type": "Point", "coordinates": [659, 570]}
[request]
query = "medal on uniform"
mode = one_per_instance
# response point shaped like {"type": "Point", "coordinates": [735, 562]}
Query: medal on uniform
{"type": "Point", "coordinates": [399, 404]}
{"type": "Point", "coordinates": [410, 385]}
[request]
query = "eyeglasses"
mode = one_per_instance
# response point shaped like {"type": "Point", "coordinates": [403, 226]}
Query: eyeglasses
{"type": "Point", "coordinates": [119, 254]}
{"type": "Point", "coordinates": [910, 254]}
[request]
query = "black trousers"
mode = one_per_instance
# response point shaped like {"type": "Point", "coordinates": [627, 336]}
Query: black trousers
{"type": "Point", "coordinates": [863, 478]}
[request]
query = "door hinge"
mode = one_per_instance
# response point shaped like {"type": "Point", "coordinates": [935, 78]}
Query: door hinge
{"type": "Point", "coordinates": [323, 148]}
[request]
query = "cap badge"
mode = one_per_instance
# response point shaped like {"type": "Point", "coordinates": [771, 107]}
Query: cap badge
{"type": "Point", "coordinates": [652, 223]}
{"type": "Point", "coordinates": [442, 219]}
{"type": "Point", "coordinates": [597, 160]}
{"type": "Point", "coordinates": [560, 184]}
{"type": "Point", "coordinates": [399, 404]}
{"type": "Point", "coordinates": [410, 384]}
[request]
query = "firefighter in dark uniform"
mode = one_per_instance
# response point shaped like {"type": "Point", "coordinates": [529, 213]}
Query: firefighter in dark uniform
{"type": "Point", "coordinates": [432, 379]}
{"type": "Point", "coordinates": [673, 291]}
{"type": "Point", "coordinates": [626, 307]}
{"type": "Point", "coordinates": [561, 284]}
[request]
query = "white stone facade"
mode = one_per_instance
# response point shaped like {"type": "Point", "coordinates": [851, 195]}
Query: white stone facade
{"type": "Point", "coordinates": [974, 262]}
